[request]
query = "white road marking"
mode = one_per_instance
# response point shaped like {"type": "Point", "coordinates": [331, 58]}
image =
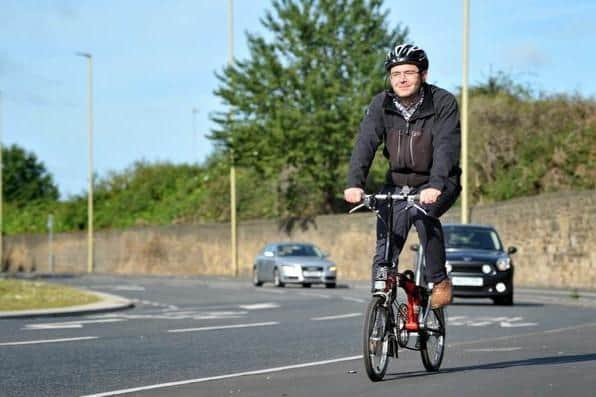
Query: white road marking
{"type": "Point", "coordinates": [224, 327]}
{"type": "Point", "coordinates": [235, 375]}
{"type": "Point", "coordinates": [494, 349]}
{"type": "Point", "coordinates": [69, 324]}
{"type": "Point", "coordinates": [259, 306]}
{"type": "Point", "coordinates": [347, 298]}
{"type": "Point", "coordinates": [179, 315]}
{"type": "Point", "coordinates": [503, 322]}
{"type": "Point", "coordinates": [312, 364]}
{"type": "Point", "coordinates": [349, 315]}
{"type": "Point", "coordinates": [34, 342]}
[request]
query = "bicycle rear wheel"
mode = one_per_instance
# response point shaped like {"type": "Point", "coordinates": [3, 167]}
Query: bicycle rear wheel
{"type": "Point", "coordinates": [433, 340]}
{"type": "Point", "coordinates": [376, 339]}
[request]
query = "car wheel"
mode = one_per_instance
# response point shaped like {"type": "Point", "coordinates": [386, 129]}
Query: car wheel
{"type": "Point", "coordinates": [277, 279]}
{"type": "Point", "coordinates": [255, 277]}
{"type": "Point", "coordinates": [330, 285]}
{"type": "Point", "coordinates": [306, 285]}
{"type": "Point", "coordinates": [506, 300]}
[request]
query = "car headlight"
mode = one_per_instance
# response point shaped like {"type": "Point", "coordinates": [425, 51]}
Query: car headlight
{"type": "Point", "coordinates": [503, 264]}
{"type": "Point", "coordinates": [332, 269]}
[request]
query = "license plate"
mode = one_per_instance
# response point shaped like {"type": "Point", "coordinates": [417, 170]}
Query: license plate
{"type": "Point", "coordinates": [311, 274]}
{"type": "Point", "coordinates": [467, 281]}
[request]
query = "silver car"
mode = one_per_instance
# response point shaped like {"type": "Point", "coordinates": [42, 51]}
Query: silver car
{"type": "Point", "coordinates": [293, 263]}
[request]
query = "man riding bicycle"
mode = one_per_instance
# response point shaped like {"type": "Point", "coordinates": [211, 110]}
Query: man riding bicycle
{"type": "Point", "coordinates": [419, 125]}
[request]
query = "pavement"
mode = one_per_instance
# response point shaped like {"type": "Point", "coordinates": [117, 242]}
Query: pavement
{"type": "Point", "coordinates": [107, 303]}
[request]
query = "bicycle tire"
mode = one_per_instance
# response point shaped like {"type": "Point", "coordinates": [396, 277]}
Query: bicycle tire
{"type": "Point", "coordinates": [433, 340]}
{"type": "Point", "coordinates": [376, 339]}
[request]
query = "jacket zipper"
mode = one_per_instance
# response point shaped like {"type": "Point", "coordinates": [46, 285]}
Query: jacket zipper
{"type": "Point", "coordinates": [398, 146]}
{"type": "Point", "coordinates": [410, 138]}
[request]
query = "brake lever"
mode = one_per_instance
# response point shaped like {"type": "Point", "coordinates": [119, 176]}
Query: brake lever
{"type": "Point", "coordinates": [357, 208]}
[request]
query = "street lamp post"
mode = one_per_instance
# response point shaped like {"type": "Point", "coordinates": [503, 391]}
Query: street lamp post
{"type": "Point", "coordinates": [234, 229]}
{"type": "Point", "coordinates": [90, 249]}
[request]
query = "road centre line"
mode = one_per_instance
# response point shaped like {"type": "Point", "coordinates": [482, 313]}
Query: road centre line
{"type": "Point", "coordinates": [220, 377]}
{"type": "Point", "coordinates": [337, 317]}
{"type": "Point", "coordinates": [224, 327]}
{"type": "Point", "coordinates": [312, 364]}
{"type": "Point", "coordinates": [33, 342]}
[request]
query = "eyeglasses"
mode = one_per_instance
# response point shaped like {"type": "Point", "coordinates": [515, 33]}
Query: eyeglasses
{"type": "Point", "coordinates": [408, 74]}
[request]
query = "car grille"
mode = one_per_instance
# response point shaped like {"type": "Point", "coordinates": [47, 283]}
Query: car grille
{"type": "Point", "coordinates": [468, 267]}
{"type": "Point", "coordinates": [312, 269]}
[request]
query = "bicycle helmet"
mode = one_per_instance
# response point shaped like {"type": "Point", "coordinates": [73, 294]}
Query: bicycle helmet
{"type": "Point", "coordinates": [406, 54]}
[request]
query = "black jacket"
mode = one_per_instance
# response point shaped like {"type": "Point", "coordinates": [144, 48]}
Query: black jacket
{"type": "Point", "coordinates": [423, 150]}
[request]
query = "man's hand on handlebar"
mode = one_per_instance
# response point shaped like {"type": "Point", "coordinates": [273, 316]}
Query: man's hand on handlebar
{"type": "Point", "coordinates": [429, 195]}
{"type": "Point", "coordinates": [353, 195]}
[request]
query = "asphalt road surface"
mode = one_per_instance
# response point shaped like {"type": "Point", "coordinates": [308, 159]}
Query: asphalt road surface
{"type": "Point", "coordinates": [223, 337]}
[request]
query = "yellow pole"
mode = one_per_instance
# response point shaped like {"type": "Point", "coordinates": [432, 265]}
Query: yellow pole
{"type": "Point", "coordinates": [233, 225]}
{"type": "Point", "coordinates": [464, 117]}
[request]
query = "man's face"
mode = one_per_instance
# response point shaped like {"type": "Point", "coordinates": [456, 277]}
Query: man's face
{"type": "Point", "coordinates": [406, 80]}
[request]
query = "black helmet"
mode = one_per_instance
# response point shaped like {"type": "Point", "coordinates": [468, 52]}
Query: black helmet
{"type": "Point", "coordinates": [406, 54]}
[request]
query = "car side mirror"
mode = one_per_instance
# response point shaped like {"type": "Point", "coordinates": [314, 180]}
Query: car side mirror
{"type": "Point", "coordinates": [511, 250]}
{"type": "Point", "coordinates": [415, 247]}
{"type": "Point", "coordinates": [326, 255]}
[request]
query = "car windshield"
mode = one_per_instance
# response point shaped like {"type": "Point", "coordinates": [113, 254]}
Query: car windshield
{"type": "Point", "coordinates": [471, 238]}
{"type": "Point", "coordinates": [298, 250]}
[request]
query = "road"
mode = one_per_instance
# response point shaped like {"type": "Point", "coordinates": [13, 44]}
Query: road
{"type": "Point", "coordinates": [223, 337]}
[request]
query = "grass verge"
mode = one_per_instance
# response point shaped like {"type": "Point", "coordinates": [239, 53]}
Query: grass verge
{"type": "Point", "coordinates": [28, 295]}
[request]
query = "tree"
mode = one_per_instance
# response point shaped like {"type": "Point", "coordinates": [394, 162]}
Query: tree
{"type": "Point", "coordinates": [295, 104]}
{"type": "Point", "coordinates": [25, 178]}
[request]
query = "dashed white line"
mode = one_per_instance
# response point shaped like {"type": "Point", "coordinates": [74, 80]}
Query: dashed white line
{"type": "Point", "coordinates": [259, 306]}
{"type": "Point", "coordinates": [34, 342]}
{"type": "Point", "coordinates": [224, 327]}
{"type": "Point", "coordinates": [235, 375]}
{"type": "Point", "coordinates": [339, 316]}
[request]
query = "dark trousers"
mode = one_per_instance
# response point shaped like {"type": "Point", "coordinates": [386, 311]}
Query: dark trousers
{"type": "Point", "coordinates": [428, 226]}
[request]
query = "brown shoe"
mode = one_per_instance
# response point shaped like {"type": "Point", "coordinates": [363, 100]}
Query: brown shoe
{"type": "Point", "coordinates": [441, 295]}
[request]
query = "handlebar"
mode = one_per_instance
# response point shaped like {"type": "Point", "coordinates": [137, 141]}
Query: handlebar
{"type": "Point", "coordinates": [369, 200]}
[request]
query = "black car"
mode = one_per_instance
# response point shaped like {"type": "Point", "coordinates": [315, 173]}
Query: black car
{"type": "Point", "coordinates": [477, 263]}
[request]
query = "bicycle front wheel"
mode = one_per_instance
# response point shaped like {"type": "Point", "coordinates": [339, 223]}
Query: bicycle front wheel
{"type": "Point", "coordinates": [433, 340]}
{"type": "Point", "coordinates": [376, 339]}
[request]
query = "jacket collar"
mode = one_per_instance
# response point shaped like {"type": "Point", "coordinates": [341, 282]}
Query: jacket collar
{"type": "Point", "coordinates": [425, 109]}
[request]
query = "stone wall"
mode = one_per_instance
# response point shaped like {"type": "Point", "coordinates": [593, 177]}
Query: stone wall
{"type": "Point", "coordinates": [555, 235]}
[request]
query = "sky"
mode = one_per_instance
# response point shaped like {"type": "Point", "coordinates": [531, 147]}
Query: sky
{"type": "Point", "coordinates": [155, 61]}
